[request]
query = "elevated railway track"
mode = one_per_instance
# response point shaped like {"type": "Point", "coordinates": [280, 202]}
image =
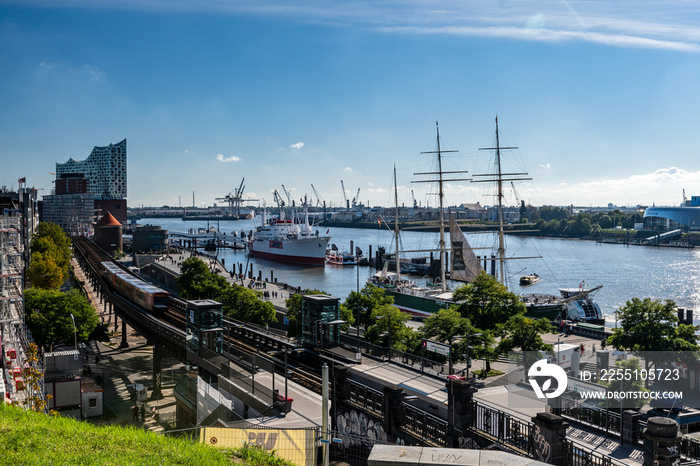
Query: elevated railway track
{"type": "Point", "coordinates": [166, 330]}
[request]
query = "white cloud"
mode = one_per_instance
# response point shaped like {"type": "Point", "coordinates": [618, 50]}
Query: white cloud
{"type": "Point", "coordinates": [347, 170]}
{"type": "Point", "coordinates": [622, 23]}
{"type": "Point", "coordinates": [221, 158]}
{"type": "Point", "coordinates": [76, 73]}
{"type": "Point", "coordinates": [663, 187]}
{"type": "Point", "coordinates": [546, 166]}
{"type": "Point", "coordinates": [297, 146]}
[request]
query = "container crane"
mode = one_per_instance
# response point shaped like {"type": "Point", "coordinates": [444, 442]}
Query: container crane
{"type": "Point", "coordinates": [235, 198]}
{"type": "Point", "coordinates": [415, 204]}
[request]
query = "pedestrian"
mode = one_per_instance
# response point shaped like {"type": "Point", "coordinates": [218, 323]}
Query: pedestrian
{"type": "Point", "coordinates": [135, 409]}
{"type": "Point", "coordinates": [602, 344]}
{"type": "Point", "coordinates": [583, 348]}
{"type": "Point", "coordinates": [143, 413]}
{"type": "Point", "coordinates": [594, 349]}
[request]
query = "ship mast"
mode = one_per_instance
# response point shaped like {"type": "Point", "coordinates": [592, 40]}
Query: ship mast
{"type": "Point", "coordinates": [441, 196]}
{"type": "Point", "coordinates": [499, 177]}
{"type": "Point", "coordinates": [396, 228]}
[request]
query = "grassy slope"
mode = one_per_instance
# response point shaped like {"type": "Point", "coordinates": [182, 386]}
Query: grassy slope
{"type": "Point", "coordinates": [32, 438]}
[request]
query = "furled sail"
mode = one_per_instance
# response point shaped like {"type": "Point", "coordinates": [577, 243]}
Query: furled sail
{"type": "Point", "coordinates": [465, 265]}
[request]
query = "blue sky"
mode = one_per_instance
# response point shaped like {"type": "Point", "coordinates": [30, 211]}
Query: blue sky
{"type": "Point", "coordinates": [600, 97]}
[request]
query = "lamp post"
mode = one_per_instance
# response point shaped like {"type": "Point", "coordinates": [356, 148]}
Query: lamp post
{"type": "Point", "coordinates": [75, 332]}
{"type": "Point", "coordinates": [389, 332]}
{"type": "Point", "coordinates": [467, 354]}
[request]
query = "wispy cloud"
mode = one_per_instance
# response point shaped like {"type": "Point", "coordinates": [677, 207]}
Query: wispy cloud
{"type": "Point", "coordinates": [663, 187]}
{"type": "Point", "coordinates": [623, 23]}
{"type": "Point", "coordinates": [221, 158]}
{"type": "Point", "coordinates": [347, 170]}
{"type": "Point", "coordinates": [546, 166]}
{"type": "Point", "coordinates": [78, 73]}
{"type": "Point", "coordinates": [297, 145]}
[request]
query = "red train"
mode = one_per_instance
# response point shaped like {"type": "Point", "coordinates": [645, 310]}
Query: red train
{"type": "Point", "coordinates": [144, 294]}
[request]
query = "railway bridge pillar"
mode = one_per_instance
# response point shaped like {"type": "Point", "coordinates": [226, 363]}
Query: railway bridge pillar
{"type": "Point", "coordinates": [125, 342]}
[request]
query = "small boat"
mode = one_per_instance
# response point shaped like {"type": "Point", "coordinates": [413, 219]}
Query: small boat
{"type": "Point", "coordinates": [529, 279]}
{"type": "Point", "coordinates": [335, 257]}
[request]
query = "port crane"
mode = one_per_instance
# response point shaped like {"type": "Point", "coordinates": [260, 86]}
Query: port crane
{"type": "Point", "coordinates": [318, 198]}
{"type": "Point", "coordinates": [234, 200]}
{"type": "Point", "coordinates": [415, 204]}
{"type": "Point", "coordinates": [356, 199]}
{"type": "Point", "coordinates": [345, 198]}
{"type": "Point", "coordinates": [287, 193]}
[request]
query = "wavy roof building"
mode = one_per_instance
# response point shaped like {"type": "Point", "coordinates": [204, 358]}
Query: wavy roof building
{"type": "Point", "coordinates": [104, 169]}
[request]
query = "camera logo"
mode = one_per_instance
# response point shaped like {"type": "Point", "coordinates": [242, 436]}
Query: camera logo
{"type": "Point", "coordinates": [542, 369]}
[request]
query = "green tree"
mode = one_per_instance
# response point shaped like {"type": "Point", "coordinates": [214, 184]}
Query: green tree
{"type": "Point", "coordinates": [487, 303]}
{"type": "Point", "coordinates": [652, 326]}
{"type": "Point", "coordinates": [525, 334]}
{"type": "Point", "coordinates": [56, 234]}
{"type": "Point", "coordinates": [630, 366]}
{"type": "Point", "coordinates": [389, 322]}
{"type": "Point", "coordinates": [48, 316]}
{"type": "Point", "coordinates": [369, 299]}
{"type": "Point", "coordinates": [44, 272]}
{"type": "Point", "coordinates": [449, 326]}
{"type": "Point", "coordinates": [245, 305]}
{"type": "Point", "coordinates": [196, 281]}
{"type": "Point", "coordinates": [50, 257]}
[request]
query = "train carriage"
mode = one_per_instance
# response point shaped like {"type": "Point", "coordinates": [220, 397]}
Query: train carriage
{"type": "Point", "coordinates": [144, 294]}
{"type": "Point", "coordinates": [109, 270]}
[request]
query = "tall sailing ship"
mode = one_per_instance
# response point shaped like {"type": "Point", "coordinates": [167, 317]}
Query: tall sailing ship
{"type": "Point", "coordinates": [424, 300]}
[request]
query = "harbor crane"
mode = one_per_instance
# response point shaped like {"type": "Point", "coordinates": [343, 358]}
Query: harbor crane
{"type": "Point", "coordinates": [415, 204]}
{"type": "Point", "coordinates": [278, 199]}
{"type": "Point", "coordinates": [289, 197]}
{"type": "Point", "coordinates": [521, 204]}
{"type": "Point", "coordinates": [346, 203]}
{"type": "Point", "coordinates": [234, 199]}
{"type": "Point", "coordinates": [356, 199]}
{"type": "Point", "coordinates": [318, 198]}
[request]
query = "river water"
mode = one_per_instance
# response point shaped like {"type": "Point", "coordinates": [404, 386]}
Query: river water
{"type": "Point", "coordinates": [625, 272]}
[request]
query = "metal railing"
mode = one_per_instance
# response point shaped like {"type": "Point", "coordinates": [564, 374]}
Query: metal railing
{"type": "Point", "coordinates": [423, 425]}
{"type": "Point", "coordinates": [366, 398]}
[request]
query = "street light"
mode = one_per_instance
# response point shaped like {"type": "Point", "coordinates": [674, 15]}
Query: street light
{"type": "Point", "coordinates": [467, 338]}
{"type": "Point", "coordinates": [389, 320]}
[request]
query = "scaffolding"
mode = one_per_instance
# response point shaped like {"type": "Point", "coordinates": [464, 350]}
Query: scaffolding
{"type": "Point", "coordinates": [14, 333]}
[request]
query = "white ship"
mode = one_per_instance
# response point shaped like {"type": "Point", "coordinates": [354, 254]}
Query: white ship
{"type": "Point", "coordinates": [289, 240]}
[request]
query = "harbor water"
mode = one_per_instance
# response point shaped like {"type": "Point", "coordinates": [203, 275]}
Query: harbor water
{"type": "Point", "coordinates": [625, 272]}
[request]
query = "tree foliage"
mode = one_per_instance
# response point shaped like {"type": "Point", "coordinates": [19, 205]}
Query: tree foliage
{"type": "Point", "coordinates": [487, 303]}
{"type": "Point", "coordinates": [245, 305]}
{"type": "Point", "coordinates": [196, 281]}
{"type": "Point", "coordinates": [652, 325]}
{"type": "Point", "coordinates": [50, 259]}
{"type": "Point", "coordinates": [367, 301]}
{"type": "Point", "coordinates": [389, 322]}
{"type": "Point", "coordinates": [48, 316]}
{"type": "Point", "coordinates": [525, 334]}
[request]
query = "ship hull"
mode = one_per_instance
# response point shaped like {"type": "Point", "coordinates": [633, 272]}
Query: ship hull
{"type": "Point", "coordinates": [306, 251]}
